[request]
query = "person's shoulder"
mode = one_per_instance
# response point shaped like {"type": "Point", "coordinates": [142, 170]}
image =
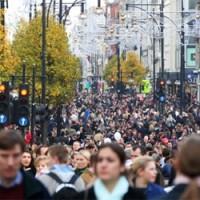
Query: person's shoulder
{"type": "Point", "coordinates": [86, 194]}
{"type": "Point", "coordinates": [34, 187]}
{"type": "Point", "coordinates": [135, 194]}
{"type": "Point", "coordinates": [155, 187]}
{"type": "Point", "coordinates": [175, 193]}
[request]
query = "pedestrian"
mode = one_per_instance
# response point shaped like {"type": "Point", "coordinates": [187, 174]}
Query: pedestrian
{"type": "Point", "coordinates": [111, 182]}
{"type": "Point", "coordinates": [58, 165]}
{"type": "Point", "coordinates": [16, 183]}
{"type": "Point", "coordinates": [41, 164]}
{"type": "Point", "coordinates": [82, 161]}
{"type": "Point", "coordinates": [144, 175]}
{"type": "Point", "coordinates": [187, 181]}
{"type": "Point", "coordinates": [28, 163]}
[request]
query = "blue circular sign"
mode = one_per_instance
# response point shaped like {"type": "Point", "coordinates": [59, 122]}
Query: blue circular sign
{"type": "Point", "coordinates": [3, 119]}
{"type": "Point", "coordinates": [162, 99]}
{"type": "Point", "coordinates": [23, 121]}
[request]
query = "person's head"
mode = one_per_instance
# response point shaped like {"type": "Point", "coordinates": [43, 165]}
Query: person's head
{"type": "Point", "coordinates": [91, 148]}
{"type": "Point", "coordinates": [76, 146]}
{"type": "Point", "coordinates": [41, 163]}
{"type": "Point", "coordinates": [57, 154]}
{"type": "Point", "coordinates": [82, 159]}
{"type": "Point", "coordinates": [166, 152]}
{"type": "Point", "coordinates": [144, 168]}
{"type": "Point", "coordinates": [110, 162]}
{"type": "Point", "coordinates": [188, 160]}
{"type": "Point", "coordinates": [42, 150]}
{"type": "Point", "coordinates": [26, 159]}
{"type": "Point", "coordinates": [128, 145]}
{"type": "Point", "coordinates": [11, 148]}
{"type": "Point", "coordinates": [146, 139]}
{"type": "Point", "coordinates": [188, 164]}
{"type": "Point", "coordinates": [137, 151]}
{"type": "Point", "coordinates": [169, 145]}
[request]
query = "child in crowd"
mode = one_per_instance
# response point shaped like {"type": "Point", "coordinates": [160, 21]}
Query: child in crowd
{"type": "Point", "coordinates": [41, 165]}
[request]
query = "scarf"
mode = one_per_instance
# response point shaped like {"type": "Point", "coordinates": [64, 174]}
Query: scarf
{"type": "Point", "coordinates": [79, 172]}
{"type": "Point", "coordinates": [118, 192]}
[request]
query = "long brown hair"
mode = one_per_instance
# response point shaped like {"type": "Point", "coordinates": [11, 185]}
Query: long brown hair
{"type": "Point", "coordinates": [188, 164]}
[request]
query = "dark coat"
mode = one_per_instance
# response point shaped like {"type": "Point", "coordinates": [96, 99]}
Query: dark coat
{"type": "Point", "coordinates": [34, 190]}
{"type": "Point", "coordinates": [132, 194]}
{"type": "Point", "coordinates": [176, 193]}
{"type": "Point", "coordinates": [154, 191]}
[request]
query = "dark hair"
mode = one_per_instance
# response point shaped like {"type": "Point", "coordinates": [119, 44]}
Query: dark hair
{"type": "Point", "coordinates": [60, 152]}
{"type": "Point", "coordinates": [38, 151]}
{"type": "Point", "coordinates": [31, 165]}
{"type": "Point", "coordinates": [116, 149]}
{"type": "Point", "coordinates": [188, 163]}
{"type": "Point", "coordinates": [9, 138]}
{"type": "Point", "coordinates": [166, 152]}
{"type": "Point", "coordinates": [142, 149]}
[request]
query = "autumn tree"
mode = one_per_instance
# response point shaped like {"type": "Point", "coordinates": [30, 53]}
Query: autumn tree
{"type": "Point", "coordinates": [8, 60]}
{"type": "Point", "coordinates": [62, 67]}
{"type": "Point", "coordinates": [110, 70]}
{"type": "Point", "coordinates": [132, 68]}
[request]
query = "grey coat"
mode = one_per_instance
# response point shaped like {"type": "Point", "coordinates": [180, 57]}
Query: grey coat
{"type": "Point", "coordinates": [51, 184]}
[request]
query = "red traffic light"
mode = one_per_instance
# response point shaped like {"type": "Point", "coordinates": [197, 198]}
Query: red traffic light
{"type": "Point", "coordinates": [162, 83]}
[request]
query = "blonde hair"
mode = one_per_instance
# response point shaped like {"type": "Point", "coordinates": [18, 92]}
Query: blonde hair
{"type": "Point", "coordinates": [40, 159]}
{"type": "Point", "coordinates": [85, 153]}
{"type": "Point", "coordinates": [140, 163]}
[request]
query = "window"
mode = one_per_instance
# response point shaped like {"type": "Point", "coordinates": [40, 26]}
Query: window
{"type": "Point", "coordinates": [192, 4]}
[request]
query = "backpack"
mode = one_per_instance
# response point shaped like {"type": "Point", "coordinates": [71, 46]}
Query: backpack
{"type": "Point", "coordinates": [65, 190]}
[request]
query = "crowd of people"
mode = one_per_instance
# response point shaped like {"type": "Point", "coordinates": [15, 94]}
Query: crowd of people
{"type": "Point", "coordinates": [108, 148]}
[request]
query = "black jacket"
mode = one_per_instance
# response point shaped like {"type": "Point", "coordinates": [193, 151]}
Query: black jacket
{"type": "Point", "coordinates": [176, 193]}
{"type": "Point", "coordinates": [34, 190]}
{"type": "Point", "coordinates": [132, 194]}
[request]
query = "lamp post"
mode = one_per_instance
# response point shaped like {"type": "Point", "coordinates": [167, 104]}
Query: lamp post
{"type": "Point", "coordinates": [118, 70]}
{"type": "Point", "coordinates": [182, 63]}
{"type": "Point", "coordinates": [43, 61]}
{"type": "Point", "coordinates": [198, 49]}
{"type": "Point", "coordinates": [162, 37]}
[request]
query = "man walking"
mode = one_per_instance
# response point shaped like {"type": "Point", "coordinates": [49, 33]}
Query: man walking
{"type": "Point", "coordinates": [14, 183]}
{"type": "Point", "coordinates": [58, 161]}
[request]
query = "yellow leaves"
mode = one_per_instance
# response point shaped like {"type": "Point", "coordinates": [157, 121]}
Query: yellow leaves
{"type": "Point", "coordinates": [61, 65]}
{"type": "Point", "coordinates": [131, 69]}
{"type": "Point", "coordinates": [110, 70]}
{"type": "Point", "coordinates": [8, 59]}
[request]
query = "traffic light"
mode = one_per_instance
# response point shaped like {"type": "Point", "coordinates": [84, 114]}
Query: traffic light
{"type": "Point", "coordinates": [23, 103]}
{"type": "Point", "coordinates": [40, 111]}
{"type": "Point", "coordinates": [161, 91]}
{"type": "Point", "coordinates": [118, 87]}
{"type": "Point", "coordinates": [112, 85]}
{"type": "Point", "coordinates": [4, 104]}
{"type": "Point", "coordinates": [95, 87]}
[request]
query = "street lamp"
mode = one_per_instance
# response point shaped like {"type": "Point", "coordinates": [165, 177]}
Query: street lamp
{"type": "Point", "coordinates": [99, 9]}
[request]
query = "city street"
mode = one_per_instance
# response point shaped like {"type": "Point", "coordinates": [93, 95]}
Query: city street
{"type": "Point", "coordinates": [99, 99]}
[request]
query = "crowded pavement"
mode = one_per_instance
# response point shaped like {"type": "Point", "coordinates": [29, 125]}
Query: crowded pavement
{"type": "Point", "coordinates": [108, 148]}
{"type": "Point", "coordinates": [100, 102]}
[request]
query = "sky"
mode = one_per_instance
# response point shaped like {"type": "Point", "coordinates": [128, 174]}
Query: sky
{"type": "Point", "coordinates": [16, 10]}
{"type": "Point", "coordinates": [20, 9]}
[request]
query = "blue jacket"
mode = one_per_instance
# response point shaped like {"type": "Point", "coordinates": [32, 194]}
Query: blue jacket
{"type": "Point", "coordinates": [154, 191]}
